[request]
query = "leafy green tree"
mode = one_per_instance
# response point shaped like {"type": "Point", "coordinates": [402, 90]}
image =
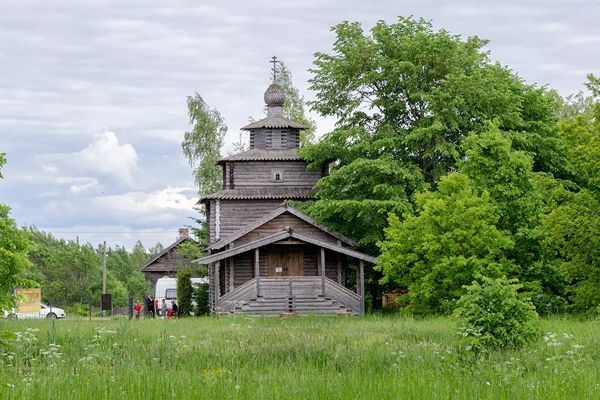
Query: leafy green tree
{"type": "Point", "coordinates": [573, 233]}
{"type": "Point", "coordinates": [124, 266]}
{"type": "Point", "coordinates": [13, 253]}
{"type": "Point", "coordinates": [156, 249]}
{"type": "Point", "coordinates": [518, 194]}
{"type": "Point", "coordinates": [190, 251]}
{"type": "Point", "coordinates": [406, 96]}
{"type": "Point", "coordinates": [201, 299]}
{"type": "Point", "coordinates": [184, 291]}
{"type": "Point", "coordinates": [451, 240]}
{"type": "Point", "coordinates": [492, 165]}
{"type": "Point", "coordinates": [202, 144]}
{"type": "Point", "coordinates": [573, 227]}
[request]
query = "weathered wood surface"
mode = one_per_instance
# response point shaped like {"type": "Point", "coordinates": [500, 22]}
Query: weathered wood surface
{"type": "Point", "coordinates": [282, 221]}
{"type": "Point", "coordinates": [243, 264]}
{"type": "Point", "coordinates": [235, 214]}
{"type": "Point", "coordinates": [291, 294]}
{"type": "Point", "coordinates": [274, 138]}
{"type": "Point", "coordinates": [260, 174]}
{"type": "Point", "coordinates": [283, 209]}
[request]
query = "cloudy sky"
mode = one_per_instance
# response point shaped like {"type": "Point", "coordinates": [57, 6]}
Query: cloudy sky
{"type": "Point", "coordinates": [93, 94]}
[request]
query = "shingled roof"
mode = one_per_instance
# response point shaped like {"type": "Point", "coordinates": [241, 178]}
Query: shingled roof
{"type": "Point", "coordinates": [264, 155]}
{"type": "Point", "coordinates": [152, 266]}
{"type": "Point", "coordinates": [273, 122]}
{"type": "Point", "coordinates": [262, 193]}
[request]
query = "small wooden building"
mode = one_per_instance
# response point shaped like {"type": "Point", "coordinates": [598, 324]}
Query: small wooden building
{"type": "Point", "coordinates": [265, 256]}
{"type": "Point", "coordinates": [167, 262]}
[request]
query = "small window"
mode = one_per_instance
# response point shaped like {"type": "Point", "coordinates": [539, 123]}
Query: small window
{"type": "Point", "coordinates": [171, 294]}
{"type": "Point", "coordinates": [277, 175]}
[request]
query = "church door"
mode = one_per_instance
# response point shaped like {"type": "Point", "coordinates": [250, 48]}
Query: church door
{"type": "Point", "coordinates": [285, 263]}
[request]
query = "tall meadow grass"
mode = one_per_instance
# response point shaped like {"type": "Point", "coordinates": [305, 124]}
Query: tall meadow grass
{"type": "Point", "coordinates": [371, 357]}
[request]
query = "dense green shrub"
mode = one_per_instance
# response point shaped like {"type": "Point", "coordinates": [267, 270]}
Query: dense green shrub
{"type": "Point", "coordinates": [184, 291]}
{"type": "Point", "coordinates": [201, 299]}
{"type": "Point", "coordinates": [496, 315]}
{"type": "Point", "coordinates": [78, 309]}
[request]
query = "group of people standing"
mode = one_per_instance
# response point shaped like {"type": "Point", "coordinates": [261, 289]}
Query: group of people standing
{"type": "Point", "coordinates": [153, 309]}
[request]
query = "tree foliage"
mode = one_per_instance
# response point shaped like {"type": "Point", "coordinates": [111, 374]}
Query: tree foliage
{"type": "Point", "coordinates": [184, 291]}
{"type": "Point", "coordinates": [409, 95]}
{"type": "Point", "coordinates": [293, 108]}
{"type": "Point", "coordinates": [572, 227]}
{"type": "Point", "coordinates": [202, 144]}
{"type": "Point", "coordinates": [71, 273]}
{"type": "Point", "coordinates": [451, 240]}
{"type": "Point", "coordinates": [13, 253]}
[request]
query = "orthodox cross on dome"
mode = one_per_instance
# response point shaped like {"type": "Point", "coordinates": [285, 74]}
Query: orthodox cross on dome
{"type": "Point", "coordinates": [274, 61]}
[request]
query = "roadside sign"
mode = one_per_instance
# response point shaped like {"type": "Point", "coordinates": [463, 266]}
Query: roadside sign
{"type": "Point", "coordinates": [106, 302]}
{"type": "Point", "coordinates": [28, 300]}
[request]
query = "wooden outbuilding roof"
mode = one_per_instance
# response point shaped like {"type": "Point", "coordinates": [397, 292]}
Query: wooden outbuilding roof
{"type": "Point", "coordinates": [153, 266]}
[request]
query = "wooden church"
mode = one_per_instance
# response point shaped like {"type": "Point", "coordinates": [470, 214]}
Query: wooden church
{"type": "Point", "coordinates": [266, 257]}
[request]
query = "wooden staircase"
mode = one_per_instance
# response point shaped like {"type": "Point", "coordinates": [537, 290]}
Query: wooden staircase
{"type": "Point", "coordinates": [296, 294]}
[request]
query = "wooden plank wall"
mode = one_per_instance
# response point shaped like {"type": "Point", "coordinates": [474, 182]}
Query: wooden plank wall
{"type": "Point", "coordinates": [235, 214]}
{"type": "Point", "coordinates": [253, 174]}
{"type": "Point", "coordinates": [278, 223]}
{"type": "Point", "coordinates": [244, 266]}
{"type": "Point", "coordinates": [243, 269]}
{"type": "Point", "coordinates": [275, 138]}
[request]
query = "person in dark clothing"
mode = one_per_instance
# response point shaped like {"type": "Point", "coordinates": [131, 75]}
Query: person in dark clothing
{"type": "Point", "coordinates": [175, 309]}
{"type": "Point", "coordinates": [150, 306]}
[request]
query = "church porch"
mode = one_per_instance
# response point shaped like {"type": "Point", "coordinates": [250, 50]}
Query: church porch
{"type": "Point", "coordinates": [285, 274]}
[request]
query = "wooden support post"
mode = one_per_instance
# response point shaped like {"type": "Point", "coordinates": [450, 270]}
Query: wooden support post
{"type": "Point", "coordinates": [322, 268]}
{"type": "Point", "coordinates": [217, 283]}
{"type": "Point", "coordinates": [257, 271]}
{"type": "Point", "coordinates": [231, 275]}
{"type": "Point", "coordinates": [361, 273]}
{"type": "Point", "coordinates": [339, 269]}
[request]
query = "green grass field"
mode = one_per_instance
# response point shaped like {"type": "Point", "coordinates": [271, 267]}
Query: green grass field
{"type": "Point", "coordinates": [372, 357]}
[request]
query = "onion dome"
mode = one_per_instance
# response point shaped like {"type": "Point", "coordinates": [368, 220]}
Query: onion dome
{"type": "Point", "coordinates": [274, 96]}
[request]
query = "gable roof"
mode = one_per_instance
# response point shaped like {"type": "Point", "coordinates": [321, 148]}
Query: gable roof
{"type": "Point", "coordinates": [276, 237]}
{"type": "Point", "coordinates": [273, 214]}
{"type": "Point", "coordinates": [147, 267]}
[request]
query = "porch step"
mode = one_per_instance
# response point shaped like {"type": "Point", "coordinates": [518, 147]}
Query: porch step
{"type": "Point", "coordinates": [301, 295]}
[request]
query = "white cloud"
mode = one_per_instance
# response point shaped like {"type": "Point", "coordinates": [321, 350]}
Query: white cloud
{"type": "Point", "coordinates": [69, 71]}
{"type": "Point", "coordinates": [104, 160]}
{"type": "Point", "coordinates": [86, 187]}
{"type": "Point", "coordinates": [153, 205]}
{"type": "Point", "coordinates": [107, 156]}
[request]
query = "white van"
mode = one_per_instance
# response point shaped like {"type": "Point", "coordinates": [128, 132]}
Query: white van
{"type": "Point", "coordinates": [166, 288]}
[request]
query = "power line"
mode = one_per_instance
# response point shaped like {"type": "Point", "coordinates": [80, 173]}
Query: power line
{"type": "Point", "coordinates": [111, 232]}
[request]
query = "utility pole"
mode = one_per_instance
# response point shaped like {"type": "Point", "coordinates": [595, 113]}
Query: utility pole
{"type": "Point", "coordinates": [104, 269]}
{"type": "Point", "coordinates": [103, 276]}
